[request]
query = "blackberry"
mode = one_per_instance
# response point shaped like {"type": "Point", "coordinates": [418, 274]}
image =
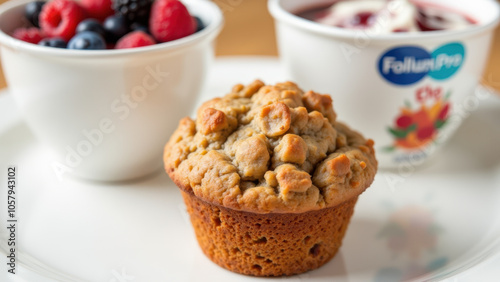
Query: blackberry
{"type": "Point", "coordinates": [134, 11]}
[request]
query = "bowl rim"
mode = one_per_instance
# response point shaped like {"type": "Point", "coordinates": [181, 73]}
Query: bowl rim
{"type": "Point", "coordinates": [208, 33]}
{"type": "Point", "coordinates": [282, 15]}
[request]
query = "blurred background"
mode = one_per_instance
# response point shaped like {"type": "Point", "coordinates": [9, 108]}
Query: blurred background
{"type": "Point", "coordinates": [249, 30]}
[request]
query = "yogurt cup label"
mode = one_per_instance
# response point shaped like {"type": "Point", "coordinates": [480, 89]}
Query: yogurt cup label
{"type": "Point", "coordinates": [407, 65]}
{"type": "Point", "coordinates": [421, 116]}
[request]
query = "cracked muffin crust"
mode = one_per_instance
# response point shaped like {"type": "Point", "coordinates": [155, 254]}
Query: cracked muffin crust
{"type": "Point", "coordinates": [270, 149]}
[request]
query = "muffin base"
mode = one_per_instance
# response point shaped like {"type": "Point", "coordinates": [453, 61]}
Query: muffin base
{"type": "Point", "coordinates": [268, 244]}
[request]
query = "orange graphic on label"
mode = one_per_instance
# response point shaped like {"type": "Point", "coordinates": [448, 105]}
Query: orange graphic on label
{"type": "Point", "coordinates": [416, 128]}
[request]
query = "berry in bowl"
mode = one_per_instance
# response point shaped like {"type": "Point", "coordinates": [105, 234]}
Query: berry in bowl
{"type": "Point", "coordinates": [133, 23]}
{"type": "Point", "coordinates": [398, 69]}
{"type": "Point", "coordinates": [101, 82]}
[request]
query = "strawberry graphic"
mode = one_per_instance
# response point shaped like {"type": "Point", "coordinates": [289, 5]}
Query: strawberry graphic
{"type": "Point", "coordinates": [415, 128]}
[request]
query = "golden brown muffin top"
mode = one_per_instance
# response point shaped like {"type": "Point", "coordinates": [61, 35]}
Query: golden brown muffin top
{"type": "Point", "coordinates": [270, 149]}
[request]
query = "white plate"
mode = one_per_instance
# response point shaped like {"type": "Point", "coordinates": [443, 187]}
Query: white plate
{"type": "Point", "coordinates": [428, 223]}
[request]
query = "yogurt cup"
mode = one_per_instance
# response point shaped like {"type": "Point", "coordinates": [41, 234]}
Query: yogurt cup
{"type": "Point", "coordinates": [106, 114]}
{"type": "Point", "coordinates": [405, 90]}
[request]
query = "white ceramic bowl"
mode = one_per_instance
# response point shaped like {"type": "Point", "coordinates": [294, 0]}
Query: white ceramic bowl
{"type": "Point", "coordinates": [366, 75]}
{"type": "Point", "coordinates": [107, 113]}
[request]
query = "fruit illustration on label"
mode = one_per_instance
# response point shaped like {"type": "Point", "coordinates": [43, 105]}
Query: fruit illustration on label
{"type": "Point", "coordinates": [416, 127]}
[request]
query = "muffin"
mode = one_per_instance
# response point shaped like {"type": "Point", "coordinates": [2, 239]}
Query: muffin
{"type": "Point", "coordinates": [270, 178]}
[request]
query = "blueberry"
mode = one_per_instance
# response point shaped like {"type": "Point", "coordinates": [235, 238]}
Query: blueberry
{"type": "Point", "coordinates": [32, 12]}
{"type": "Point", "coordinates": [53, 42]}
{"type": "Point", "coordinates": [91, 25]}
{"type": "Point", "coordinates": [199, 24]}
{"type": "Point", "coordinates": [87, 40]}
{"type": "Point", "coordinates": [139, 27]}
{"type": "Point", "coordinates": [115, 27]}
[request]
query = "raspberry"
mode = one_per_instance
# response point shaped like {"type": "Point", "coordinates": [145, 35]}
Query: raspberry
{"type": "Point", "coordinates": [59, 18]}
{"type": "Point", "coordinates": [170, 20]}
{"type": "Point", "coordinates": [97, 9]}
{"type": "Point", "coordinates": [30, 35]}
{"type": "Point", "coordinates": [135, 39]}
